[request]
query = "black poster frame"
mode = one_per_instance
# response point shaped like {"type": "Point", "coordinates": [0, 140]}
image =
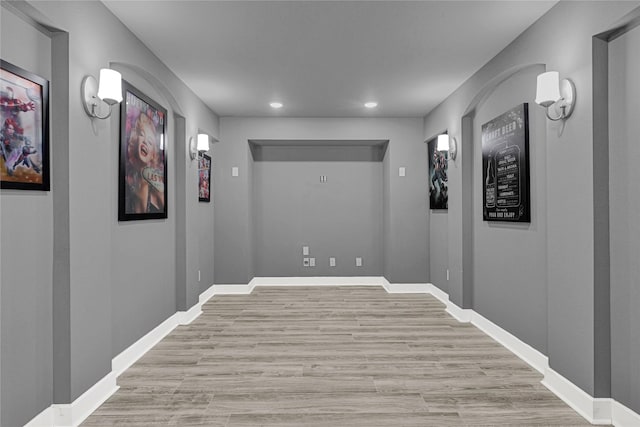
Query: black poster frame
{"type": "Point", "coordinates": [505, 167]}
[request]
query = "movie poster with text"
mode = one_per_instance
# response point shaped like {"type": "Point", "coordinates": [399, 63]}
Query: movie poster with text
{"type": "Point", "coordinates": [505, 167]}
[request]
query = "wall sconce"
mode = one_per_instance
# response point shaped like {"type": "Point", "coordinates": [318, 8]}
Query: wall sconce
{"type": "Point", "coordinates": [556, 93]}
{"type": "Point", "coordinates": [109, 91]}
{"type": "Point", "coordinates": [199, 144]}
{"type": "Point", "coordinates": [447, 143]}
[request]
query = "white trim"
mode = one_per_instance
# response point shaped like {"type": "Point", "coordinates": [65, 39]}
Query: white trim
{"type": "Point", "coordinates": [136, 350]}
{"type": "Point", "coordinates": [524, 351]}
{"type": "Point", "coordinates": [232, 289]}
{"type": "Point", "coordinates": [317, 281]}
{"type": "Point", "coordinates": [186, 317]}
{"type": "Point", "coordinates": [596, 411]}
{"type": "Point", "coordinates": [462, 315]}
{"type": "Point", "coordinates": [439, 294]}
{"type": "Point", "coordinates": [406, 288]}
{"type": "Point", "coordinates": [71, 415]}
{"type": "Point", "coordinates": [206, 295]}
{"type": "Point", "coordinates": [621, 416]}
{"type": "Point", "coordinates": [43, 419]}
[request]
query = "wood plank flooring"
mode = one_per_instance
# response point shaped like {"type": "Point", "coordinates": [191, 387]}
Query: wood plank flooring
{"type": "Point", "coordinates": [330, 356]}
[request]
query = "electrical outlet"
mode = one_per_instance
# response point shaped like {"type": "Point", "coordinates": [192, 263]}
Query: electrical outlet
{"type": "Point", "coordinates": [305, 250]}
{"type": "Point", "coordinates": [358, 262]}
{"type": "Point", "coordinates": [305, 262]}
{"type": "Point", "coordinates": [312, 262]}
{"type": "Point", "coordinates": [332, 261]}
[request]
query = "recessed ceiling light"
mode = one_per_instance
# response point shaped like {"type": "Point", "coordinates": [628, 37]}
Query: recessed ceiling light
{"type": "Point", "coordinates": [276, 105]}
{"type": "Point", "coordinates": [371, 104]}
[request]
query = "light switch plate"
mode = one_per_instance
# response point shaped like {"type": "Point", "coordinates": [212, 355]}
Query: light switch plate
{"type": "Point", "coordinates": [305, 250]}
{"type": "Point", "coordinates": [234, 171]}
{"type": "Point", "coordinates": [332, 261]}
{"type": "Point", "coordinates": [358, 262]}
{"type": "Point", "coordinates": [402, 171]}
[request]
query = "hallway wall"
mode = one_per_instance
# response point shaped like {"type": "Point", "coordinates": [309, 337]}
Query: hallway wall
{"type": "Point", "coordinates": [26, 259]}
{"type": "Point", "coordinates": [121, 279]}
{"type": "Point", "coordinates": [340, 218]}
{"type": "Point", "coordinates": [624, 157]}
{"type": "Point", "coordinates": [560, 40]}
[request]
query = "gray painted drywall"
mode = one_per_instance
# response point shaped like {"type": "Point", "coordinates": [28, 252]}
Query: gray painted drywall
{"type": "Point", "coordinates": [26, 224]}
{"type": "Point", "coordinates": [339, 218]}
{"type": "Point", "coordinates": [120, 277]}
{"type": "Point", "coordinates": [438, 243]}
{"type": "Point", "coordinates": [202, 230]}
{"type": "Point", "coordinates": [317, 153]}
{"type": "Point", "coordinates": [386, 212]}
{"type": "Point", "coordinates": [404, 198]}
{"type": "Point", "coordinates": [624, 67]}
{"type": "Point", "coordinates": [561, 40]}
{"type": "Point", "coordinates": [509, 265]}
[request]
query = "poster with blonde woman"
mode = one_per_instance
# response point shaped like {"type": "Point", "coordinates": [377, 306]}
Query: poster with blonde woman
{"type": "Point", "coordinates": [143, 160]}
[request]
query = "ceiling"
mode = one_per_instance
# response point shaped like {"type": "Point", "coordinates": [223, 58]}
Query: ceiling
{"type": "Point", "coordinates": [325, 58]}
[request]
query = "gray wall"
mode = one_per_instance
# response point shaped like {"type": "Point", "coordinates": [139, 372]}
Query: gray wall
{"type": "Point", "coordinates": [510, 262]}
{"type": "Point", "coordinates": [438, 241]}
{"type": "Point", "coordinates": [404, 198]}
{"type": "Point", "coordinates": [340, 218]}
{"type": "Point", "coordinates": [560, 40]}
{"type": "Point", "coordinates": [26, 253]}
{"type": "Point", "coordinates": [122, 277]}
{"type": "Point", "coordinates": [624, 156]}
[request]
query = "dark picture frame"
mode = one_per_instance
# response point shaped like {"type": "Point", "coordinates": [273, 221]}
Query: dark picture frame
{"type": "Point", "coordinates": [204, 178]}
{"type": "Point", "coordinates": [143, 185]}
{"type": "Point", "coordinates": [24, 129]}
{"type": "Point", "coordinates": [505, 167]}
{"type": "Point", "coordinates": [438, 181]}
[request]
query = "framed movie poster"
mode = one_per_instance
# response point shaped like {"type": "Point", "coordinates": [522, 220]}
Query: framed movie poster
{"type": "Point", "coordinates": [204, 178]}
{"type": "Point", "coordinates": [143, 158]}
{"type": "Point", "coordinates": [24, 131]}
{"type": "Point", "coordinates": [438, 183]}
{"type": "Point", "coordinates": [505, 167]}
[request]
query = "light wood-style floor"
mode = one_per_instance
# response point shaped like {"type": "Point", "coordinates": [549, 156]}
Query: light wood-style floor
{"type": "Point", "coordinates": [330, 356]}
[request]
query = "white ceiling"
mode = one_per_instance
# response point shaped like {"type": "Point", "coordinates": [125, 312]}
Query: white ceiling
{"type": "Point", "coordinates": [325, 58]}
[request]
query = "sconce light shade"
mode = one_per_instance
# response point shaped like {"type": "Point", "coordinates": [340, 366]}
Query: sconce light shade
{"type": "Point", "coordinates": [200, 143]}
{"type": "Point", "coordinates": [109, 91]}
{"type": "Point", "coordinates": [447, 143]}
{"type": "Point", "coordinates": [548, 88]}
{"type": "Point", "coordinates": [551, 92]}
{"type": "Point", "coordinates": [203, 142]}
{"type": "Point", "coordinates": [443, 142]}
{"type": "Point", "coordinates": [110, 88]}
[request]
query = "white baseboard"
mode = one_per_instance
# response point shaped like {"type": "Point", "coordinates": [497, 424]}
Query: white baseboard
{"type": "Point", "coordinates": [406, 288]}
{"type": "Point", "coordinates": [206, 295]}
{"type": "Point", "coordinates": [71, 415]}
{"type": "Point", "coordinates": [317, 281]}
{"type": "Point", "coordinates": [233, 289]}
{"type": "Point", "coordinates": [596, 411]}
{"type": "Point", "coordinates": [136, 350]}
{"type": "Point", "coordinates": [186, 317]}
{"type": "Point", "coordinates": [43, 419]}
{"type": "Point", "coordinates": [621, 416]}
{"type": "Point", "coordinates": [439, 294]}
{"type": "Point", "coordinates": [462, 315]}
{"type": "Point", "coordinates": [524, 351]}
